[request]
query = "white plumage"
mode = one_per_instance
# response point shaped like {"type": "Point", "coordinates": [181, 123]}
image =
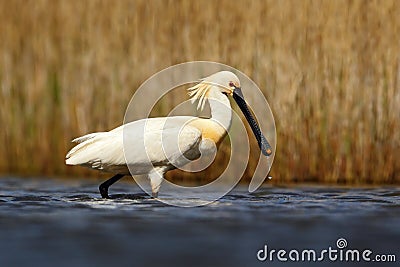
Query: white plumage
{"type": "Point", "coordinates": [104, 150]}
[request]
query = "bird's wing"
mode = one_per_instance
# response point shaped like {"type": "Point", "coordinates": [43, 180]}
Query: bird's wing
{"type": "Point", "coordinates": [148, 141]}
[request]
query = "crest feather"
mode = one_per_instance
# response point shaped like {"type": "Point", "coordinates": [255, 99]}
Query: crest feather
{"type": "Point", "coordinates": [198, 92]}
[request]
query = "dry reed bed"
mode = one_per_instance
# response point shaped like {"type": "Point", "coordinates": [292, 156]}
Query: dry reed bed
{"type": "Point", "coordinates": [330, 70]}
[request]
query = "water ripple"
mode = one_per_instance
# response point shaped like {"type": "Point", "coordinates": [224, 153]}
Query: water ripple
{"type": "Point", "coordinates": [70, 218]}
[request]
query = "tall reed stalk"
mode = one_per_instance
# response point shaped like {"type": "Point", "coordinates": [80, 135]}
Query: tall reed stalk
{"type": "Point", "coordinates": [330, 70]}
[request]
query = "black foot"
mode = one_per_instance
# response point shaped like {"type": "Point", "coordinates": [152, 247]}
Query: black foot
{"type": "Point", "coordinates": [104, 186]}
{"type": "Point", "coordinates": [104, 191]}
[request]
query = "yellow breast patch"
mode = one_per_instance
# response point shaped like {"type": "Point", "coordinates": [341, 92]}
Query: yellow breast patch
{"type": "Point", "coordinates": [209, 129]}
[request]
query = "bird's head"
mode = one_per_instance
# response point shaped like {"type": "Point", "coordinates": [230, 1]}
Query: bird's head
{"type": "Point", "coordinates": [229, 84]}
{"type": "Point", "coordinates": [224, 81]}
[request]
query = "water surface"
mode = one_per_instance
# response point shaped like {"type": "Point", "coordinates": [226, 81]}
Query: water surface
{"type": "Point", "coordinates": [60, 223]}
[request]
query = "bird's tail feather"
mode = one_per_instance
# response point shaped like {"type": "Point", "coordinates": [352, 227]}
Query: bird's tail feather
{"type": "Point", "coordinates": [83, 142]}
{"type": "Point", "coordinates": [85, 137]}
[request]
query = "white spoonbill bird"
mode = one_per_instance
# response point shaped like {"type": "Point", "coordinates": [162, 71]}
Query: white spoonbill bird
{"type": "Point", "coordinates": [158, 145]}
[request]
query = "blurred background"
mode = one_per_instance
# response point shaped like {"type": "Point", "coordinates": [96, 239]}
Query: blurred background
{"type": "Point", "coordinates": [329, 69]}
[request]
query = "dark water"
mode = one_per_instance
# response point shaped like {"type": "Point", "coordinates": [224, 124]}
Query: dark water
{"type": "Point", "coordinates": [57, 223]}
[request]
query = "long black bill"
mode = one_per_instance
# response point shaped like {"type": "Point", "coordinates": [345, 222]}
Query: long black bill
{"type": "Point", "coordinates": [262, 141]}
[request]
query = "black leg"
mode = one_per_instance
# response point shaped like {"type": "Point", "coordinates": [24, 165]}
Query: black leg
{"type": "Point", "coordinates": [104, 186]}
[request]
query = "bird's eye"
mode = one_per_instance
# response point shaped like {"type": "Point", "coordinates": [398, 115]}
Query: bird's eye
{"type": "Point", "coordinates": [231, 84]}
